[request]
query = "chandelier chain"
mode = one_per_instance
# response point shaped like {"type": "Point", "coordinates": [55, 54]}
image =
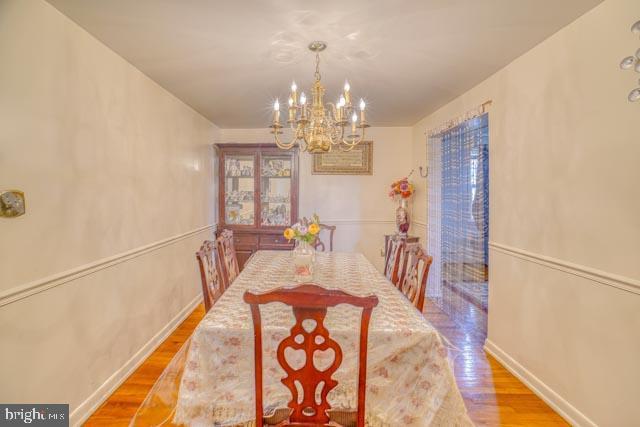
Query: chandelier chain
{"type": "Point", "coordinates": [317, 66]}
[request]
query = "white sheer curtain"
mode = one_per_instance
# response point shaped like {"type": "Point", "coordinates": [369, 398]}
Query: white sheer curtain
{"type": "Point", "coordinates": [434, 213]}
{"type": "Point", "coordinates": [458, 201]}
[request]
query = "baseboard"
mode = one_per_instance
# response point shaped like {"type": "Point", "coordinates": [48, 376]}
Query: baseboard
{"type": "Point", "coordinates": [88, 407]}
{"type": "Point", "coordinates": [567, 411]}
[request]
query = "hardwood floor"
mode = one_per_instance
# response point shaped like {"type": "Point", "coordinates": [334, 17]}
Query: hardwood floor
{"type": "Point", "coordinates": [493, 396]}
{"type": "Point", "coordinates": [124, 402]}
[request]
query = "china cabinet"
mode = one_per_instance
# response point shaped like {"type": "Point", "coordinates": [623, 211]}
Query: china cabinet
{"type": "Point", "coordinates": [258, 195]}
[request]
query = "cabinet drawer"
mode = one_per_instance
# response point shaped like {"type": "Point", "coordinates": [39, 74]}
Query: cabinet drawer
{"type": "Point", "coordinates": [244, 240]}
{"type": "Point", "coordinates": [267, 240]}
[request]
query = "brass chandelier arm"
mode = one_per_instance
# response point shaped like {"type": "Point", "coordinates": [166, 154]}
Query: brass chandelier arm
{"type": "Point", "coordinates": [351, 145]}
{"type": "Point", "coordinates": [333, 113]}
{"type": "Point", "coordinates": [303, 136]}
{"type": "Point", "coordinates": [300, 137]}
{"type": "Point", "coordinates": [334, 139]}
{"type": "Point", "coordinates": [280, 144]}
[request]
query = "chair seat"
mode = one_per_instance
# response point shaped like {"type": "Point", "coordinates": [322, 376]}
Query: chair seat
{"type": "Point", "coordinates": [338, 417]}
{"type": "Point", "coordinates": [343, 417]}
{"type": "Point", "coordinates": [279, 416]}
{"type": "Point", "coordinates": [331, 424]}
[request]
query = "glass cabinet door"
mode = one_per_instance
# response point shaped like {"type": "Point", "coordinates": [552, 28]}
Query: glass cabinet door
{"type": "Point", "coordinates": [239, 206]}
{"type": "Point", "coordinates": [275, 190]}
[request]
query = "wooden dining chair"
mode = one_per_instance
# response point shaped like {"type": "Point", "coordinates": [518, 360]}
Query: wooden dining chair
{"type": "Point", "coordinates": [309, 302]}
{"type": "Point", "coordinates": [319, 243]}
{"type": "Point", "coordinates": [415, 271]}
{"type": "Point", "coordinates": [228, 259]}
{"type": "Point", "coordinates": [393, 257]}
{"type": "Point", "coordinates": [210, 273]}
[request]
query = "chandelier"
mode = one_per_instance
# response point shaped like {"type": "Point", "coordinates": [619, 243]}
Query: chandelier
{"type": "Point", "coordinates": [318, 127]}
{"type": "Point", "coordinates": [633, 62]}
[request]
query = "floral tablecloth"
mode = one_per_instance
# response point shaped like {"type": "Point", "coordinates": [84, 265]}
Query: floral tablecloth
{"type": "Point", "coordinates": [409, 377]}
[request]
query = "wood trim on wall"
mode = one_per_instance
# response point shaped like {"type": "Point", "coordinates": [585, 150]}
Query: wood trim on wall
{"type": "Point", "coordinates": [18, 293]}
{"type": "Point", "coordinates": [609, 279]}
{"type": "Point", "coordinates": [358, 221]}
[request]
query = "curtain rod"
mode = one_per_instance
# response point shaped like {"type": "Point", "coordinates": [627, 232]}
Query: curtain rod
{"type": "Point", "coordinates": [451, 123]}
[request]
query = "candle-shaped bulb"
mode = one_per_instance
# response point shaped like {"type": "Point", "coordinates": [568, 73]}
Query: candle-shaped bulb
{"type": "Point", "coordinates": [362, 105]}
{"type": "Point", "coordinates": [294, 93]}
{"type": "Point", "coordinates": [276, 112]}
{"type": "Point", "coordinates": [354, 118]}
{"type": "Point", "coordinates": [339, 106]}
{"type": "Point", "coordinates": [346, 94]}
{"type": "Point", "coordinates": [292, 110]}
{"type": "Point", "coordinates": [303, 98]}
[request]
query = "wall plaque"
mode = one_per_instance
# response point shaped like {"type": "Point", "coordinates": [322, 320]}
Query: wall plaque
{"type": "Point", "coordinates": [11, 203]}
{"type": "Point", "coordinates": [358, 161]}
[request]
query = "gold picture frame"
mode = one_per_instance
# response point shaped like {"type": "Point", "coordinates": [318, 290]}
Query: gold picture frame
{"type": "Point", "coordinates": [358, 161]}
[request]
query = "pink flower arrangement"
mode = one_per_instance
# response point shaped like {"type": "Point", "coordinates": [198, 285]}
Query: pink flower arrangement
{"type": "Point", "coordinates": [401, 188]}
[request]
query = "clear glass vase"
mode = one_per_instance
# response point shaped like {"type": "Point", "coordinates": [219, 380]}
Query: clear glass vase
{"type": "Point", "coordinates": [303, 262]}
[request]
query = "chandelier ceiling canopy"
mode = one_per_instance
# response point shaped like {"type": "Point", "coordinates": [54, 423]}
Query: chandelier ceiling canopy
{"type": "Point", "coordinates": [318, 127]}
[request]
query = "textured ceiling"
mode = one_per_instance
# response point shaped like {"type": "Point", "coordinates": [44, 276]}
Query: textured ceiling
{"type": "Point", "coordinates": [230, 59]}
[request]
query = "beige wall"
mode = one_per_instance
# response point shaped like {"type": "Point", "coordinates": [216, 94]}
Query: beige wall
{"type": "Point", "coordinates": [357, 205]}
{"type": "Point", "coordinates": [564, 291]}
{"type": "Point", "coordinates": [119, 193]}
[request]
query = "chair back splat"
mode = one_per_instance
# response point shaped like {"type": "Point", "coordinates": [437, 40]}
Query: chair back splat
{"type": "Point", "coordinates": [228, 259]}
{"type": "Point", "coordinates": [415, 272]}
{"type": "Point", "coordinates": [210, 273]}
{"type": "Point", "coordinates": [310, 302]}
{"type": "Point", "coordinates": [392, 265]}
{"type": "Point", "coordinates": [318, 244]}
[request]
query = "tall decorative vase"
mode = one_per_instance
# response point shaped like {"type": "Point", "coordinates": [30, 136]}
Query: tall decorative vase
{"type": "Point", "coordinates": [402, 218]}
{"type": "Point", "coordinates": [303, 260]}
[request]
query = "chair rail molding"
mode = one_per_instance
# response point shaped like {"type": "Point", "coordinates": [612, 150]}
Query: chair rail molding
{"type": "Point", "coordinates": [605, 278]}
{"type": "Point", "coordinates": [20, 292]}
{"type": "Point", "coordinates": [358, 221]}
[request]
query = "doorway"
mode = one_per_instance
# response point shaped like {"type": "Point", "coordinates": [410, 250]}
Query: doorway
{"type": "Point", "coordinates": [458, 225]}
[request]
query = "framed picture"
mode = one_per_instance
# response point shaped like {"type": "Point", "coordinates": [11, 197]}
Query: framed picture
{"type": "Point", "coordinates": [358, 161]}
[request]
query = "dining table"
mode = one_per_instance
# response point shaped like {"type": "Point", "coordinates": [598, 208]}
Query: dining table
{"type": "Point", "coordinates": [409, 381]}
